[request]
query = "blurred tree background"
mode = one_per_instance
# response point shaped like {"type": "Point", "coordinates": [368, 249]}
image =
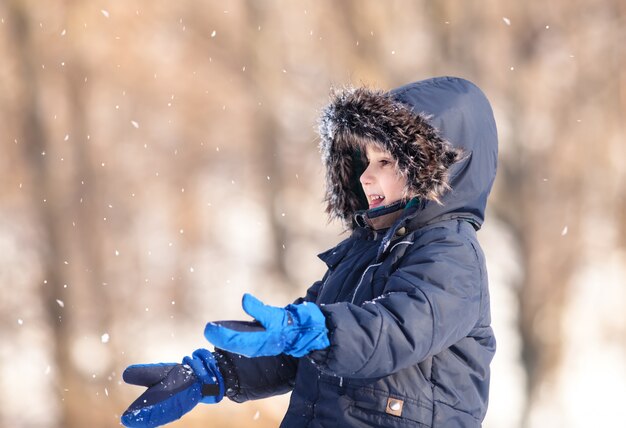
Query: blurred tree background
{"type": "Point", "coordinates": [160, 158]}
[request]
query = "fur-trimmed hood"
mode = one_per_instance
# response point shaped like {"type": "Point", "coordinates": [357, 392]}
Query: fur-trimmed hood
{"type": "Point", "coordinates": [441, 132]}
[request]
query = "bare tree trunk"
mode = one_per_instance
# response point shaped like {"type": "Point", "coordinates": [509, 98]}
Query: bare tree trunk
{"type": "Point", "coordinates": [90, 283]}
{"type": "Point", "coordinates": [265, 88]}
{"type": "Point", "coordinates": [544, 193]}
{"type": "Point", "coordinates": [72, 293]}
{"type": "Point", "coordinates": [49, 206]}
{"type": "Point", "coordinates": [619, 70]}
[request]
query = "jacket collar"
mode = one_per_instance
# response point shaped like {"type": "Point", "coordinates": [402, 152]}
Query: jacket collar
{"type": "Point", "coordinates": [381, 217]}
{"type": "Point", "coordinates": [384, 217]}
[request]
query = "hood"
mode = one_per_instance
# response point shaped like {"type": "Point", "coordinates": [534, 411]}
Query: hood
{"type": "Point", "coordinates": [442, 133]}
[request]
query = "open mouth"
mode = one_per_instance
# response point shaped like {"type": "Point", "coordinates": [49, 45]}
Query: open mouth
{"type": "Point", "coordinates": [376, 200]}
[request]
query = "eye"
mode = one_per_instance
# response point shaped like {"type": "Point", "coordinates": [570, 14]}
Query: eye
{"type": "Point", "coordinates": [384, 162]}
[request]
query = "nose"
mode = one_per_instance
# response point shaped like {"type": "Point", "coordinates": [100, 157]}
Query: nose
{"type": "Point", "coordinates": [366, 178]}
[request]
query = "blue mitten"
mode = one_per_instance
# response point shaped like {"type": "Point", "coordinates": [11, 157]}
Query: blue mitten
{"type": "Point", "coordinates": [295, 330]}
{"type": "Point", "coordinates": [173, 389]}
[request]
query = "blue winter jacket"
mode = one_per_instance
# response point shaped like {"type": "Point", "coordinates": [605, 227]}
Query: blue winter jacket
{"type": "Point", "coordinates": [407, 306]}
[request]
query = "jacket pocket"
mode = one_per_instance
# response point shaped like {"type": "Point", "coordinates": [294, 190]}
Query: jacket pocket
{"type": "Point", "coordinates": [385, 409]}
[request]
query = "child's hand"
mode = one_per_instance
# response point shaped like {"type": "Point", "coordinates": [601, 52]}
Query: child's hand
{"type": "Point", "coordinates": [173, 389]}
{"type": "Point", "coordinates": [295, 330]}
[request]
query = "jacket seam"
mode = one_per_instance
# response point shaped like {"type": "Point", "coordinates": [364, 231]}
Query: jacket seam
{"type": "Point", "coordinates": [407, 242]}
{"type": "Point", "coordinates": [471, 244]}
{"type": "Point", "coordinates": [356, 290]}
{"type": "Point", "coordinates": [478, 263]}
{"type": "Point", "coordinates": [380, 331]}
{"type": "Point", "coordinates": [432, 318]}
{"type": "Point", "coordinates": [456, 409]}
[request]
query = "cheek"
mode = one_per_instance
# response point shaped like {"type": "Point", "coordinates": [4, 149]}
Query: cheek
{"type": "Point", "coordinates": [395, 185]}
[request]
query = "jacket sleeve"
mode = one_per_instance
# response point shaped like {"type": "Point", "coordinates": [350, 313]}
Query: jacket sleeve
{"type": "Point", "coordinates": [431, 301]}
{"type": "Point", "coordinates": [255, 378]}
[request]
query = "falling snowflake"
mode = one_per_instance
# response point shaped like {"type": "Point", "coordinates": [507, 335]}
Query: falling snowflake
{"type": "Point", "coordinates": [60, 303]}
{"type": "Point", "coordinates": [134, 123]}
{"type": "Point", "coordinates": [506, 20]}
{"type": "Point", "coordinates": [105, 338]}
{"type": "Point", "coordinates": [104, 13]}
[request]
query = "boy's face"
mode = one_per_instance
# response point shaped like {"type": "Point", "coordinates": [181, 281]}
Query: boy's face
{"type": "Point", "coordinates": [380, 181]}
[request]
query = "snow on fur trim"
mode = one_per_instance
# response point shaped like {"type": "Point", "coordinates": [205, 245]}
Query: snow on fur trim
{"type": "Point", "coordinates": [357, 116]}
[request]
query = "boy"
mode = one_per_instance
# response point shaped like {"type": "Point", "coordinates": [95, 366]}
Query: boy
{"type": "Point", "coordinates": [397, 333]}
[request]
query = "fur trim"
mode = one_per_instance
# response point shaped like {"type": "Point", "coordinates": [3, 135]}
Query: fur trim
{"type": "Point", "coordinates": [358, 115]}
